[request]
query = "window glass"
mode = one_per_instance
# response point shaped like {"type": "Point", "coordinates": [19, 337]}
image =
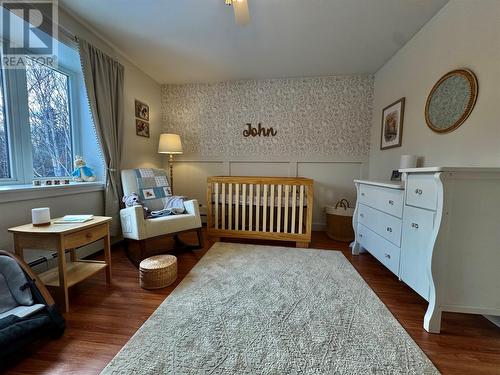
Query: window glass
{"type": "Point", "coordinates": [50, 120]}
{"type": "Point", "coordinates": [4, 140]}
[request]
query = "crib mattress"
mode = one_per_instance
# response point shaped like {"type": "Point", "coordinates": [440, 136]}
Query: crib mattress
{"type": "Point", "coordinates": [261, 200]}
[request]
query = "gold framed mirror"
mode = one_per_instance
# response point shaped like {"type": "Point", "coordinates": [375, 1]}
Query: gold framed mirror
{"type": "Point", "coordinates": [451, 100]}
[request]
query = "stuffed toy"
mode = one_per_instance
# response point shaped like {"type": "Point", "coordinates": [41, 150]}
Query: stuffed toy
{"type": "Point", "coordinates": [134, 200]}
{"type": "Point", "coordinates": [82, 173]}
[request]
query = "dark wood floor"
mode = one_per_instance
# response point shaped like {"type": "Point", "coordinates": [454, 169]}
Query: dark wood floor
{"type": "Point", "coordinates": [102, 319]}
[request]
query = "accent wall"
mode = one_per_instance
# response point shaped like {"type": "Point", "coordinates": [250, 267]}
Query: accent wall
{"type": "Point", "coordinates": [321, 125]}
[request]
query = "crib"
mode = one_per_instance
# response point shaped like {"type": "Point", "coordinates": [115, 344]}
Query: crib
{"type": "Point", "coordinates": [268, 208]}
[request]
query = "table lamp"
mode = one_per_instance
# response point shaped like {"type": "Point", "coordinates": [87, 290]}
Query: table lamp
{"type": "Point", "coordinates": [170, 144]}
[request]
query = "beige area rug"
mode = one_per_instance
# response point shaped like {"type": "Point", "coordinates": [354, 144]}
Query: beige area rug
{"type": "Point", "coordinates": [251, 309]}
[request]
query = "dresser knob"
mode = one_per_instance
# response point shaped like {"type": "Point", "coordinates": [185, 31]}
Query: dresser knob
{"type": "Point", "coordinates": [387, 256]}
{"type": "Point", "coordinates": [414, 225]}
{"type": "Point", "coordinates": [362, 215]}
{"type": "Point", "coordinates": [362, 194]}
{"type": "Point", "coordinates": [418, 191]}
{"type": "Point", "coordinates": [389, 229]}
{"type": "Point", "coordinates": [361, 236]}
{"type": "Point", "coordinates": [391, 202]}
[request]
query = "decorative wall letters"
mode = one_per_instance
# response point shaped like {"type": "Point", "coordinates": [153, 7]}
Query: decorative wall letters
{"type": "Point", "coordinates": [260, 131]}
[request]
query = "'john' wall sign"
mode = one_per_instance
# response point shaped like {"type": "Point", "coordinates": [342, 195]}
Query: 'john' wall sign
{"type": "Point", "coordinates": [259, 131]}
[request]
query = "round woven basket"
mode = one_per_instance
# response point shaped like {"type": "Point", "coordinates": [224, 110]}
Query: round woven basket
{"type": "Point", "coordinates": [158, 271]}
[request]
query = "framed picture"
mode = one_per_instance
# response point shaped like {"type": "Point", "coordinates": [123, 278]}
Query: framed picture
{"type": "Point", "coordinates": [396, 175]}
{"type": "Point", "coordinates": [392, 125]}
{"type": "Point", "coordinates": [141, 110]}
{"type": "Point", "coordinates": [142, 128]}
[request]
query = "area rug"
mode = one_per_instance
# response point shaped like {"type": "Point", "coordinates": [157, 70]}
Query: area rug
{"type": "Point", "coordinates": [251, 309]}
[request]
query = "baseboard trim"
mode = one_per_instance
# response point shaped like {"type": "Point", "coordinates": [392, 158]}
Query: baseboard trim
{"type": "Point", "coordinates": [319, 227]}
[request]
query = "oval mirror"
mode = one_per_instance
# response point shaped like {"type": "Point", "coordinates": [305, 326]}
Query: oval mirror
{"type": "Point", "coordinates": [451, 101]}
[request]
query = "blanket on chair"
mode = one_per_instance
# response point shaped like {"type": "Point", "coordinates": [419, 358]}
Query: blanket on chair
{"type": "Point", "coordinates": [156, 194]}
{"type": "Point", "coordinates": [174, 205]}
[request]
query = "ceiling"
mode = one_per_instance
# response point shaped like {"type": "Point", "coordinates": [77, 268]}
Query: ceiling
{"type": "Point", "coordinates": [184, 41]}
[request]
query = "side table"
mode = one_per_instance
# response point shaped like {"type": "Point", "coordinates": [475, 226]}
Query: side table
{"type": "Point", "coordinates": [66, 237]}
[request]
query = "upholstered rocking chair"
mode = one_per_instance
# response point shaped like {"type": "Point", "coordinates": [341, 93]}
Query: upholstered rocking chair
{"type": "Point", "coordinates": [152, 187]}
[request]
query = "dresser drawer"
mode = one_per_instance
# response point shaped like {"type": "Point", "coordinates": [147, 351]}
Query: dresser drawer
{"type": "Point", "coordinates": [384, 199]}
{"type": "Point", "coordinates": [381, 223]}
{"type": "Point", "coordinates": [418, 226]}
{"type": "Point", "coordinates": [387, 253]}
{"type": "Point", "coordinates": [422, 191]}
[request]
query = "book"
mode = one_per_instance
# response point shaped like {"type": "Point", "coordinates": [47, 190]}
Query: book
{"type": "Point", "coordinates": [73, 219]}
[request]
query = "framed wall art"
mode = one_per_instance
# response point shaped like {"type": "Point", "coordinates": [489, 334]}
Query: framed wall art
{"type": "Point", "coordinates": [392, 125]}
{"type": "Point", "coordinates": [141, 110]}
{"type": "Point", "coordinates": [142, 128]}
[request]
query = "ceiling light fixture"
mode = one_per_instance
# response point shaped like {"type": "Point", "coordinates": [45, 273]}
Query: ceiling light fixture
{"type": "Point", "coordinates": [241, 13]}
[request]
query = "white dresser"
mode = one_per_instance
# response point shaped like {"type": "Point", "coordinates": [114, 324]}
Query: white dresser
{"type": "Point", "coordinates": [439, 233]}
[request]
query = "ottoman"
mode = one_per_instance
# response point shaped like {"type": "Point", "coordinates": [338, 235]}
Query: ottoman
{"type": "Point", "coordinates": [158, 271]}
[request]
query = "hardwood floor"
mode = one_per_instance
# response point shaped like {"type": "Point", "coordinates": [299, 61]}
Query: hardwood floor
{"type": "Point", "coordinates": [102, 319]}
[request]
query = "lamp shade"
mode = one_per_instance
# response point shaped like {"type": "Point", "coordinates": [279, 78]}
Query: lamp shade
{"type": "Point", "coordinates": [170, 144]}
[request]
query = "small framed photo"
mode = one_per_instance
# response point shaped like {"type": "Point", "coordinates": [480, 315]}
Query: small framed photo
{"type": "Point", "coordinates": [392, 125]}
{"type": "Point", "coordinates": [141, 110]}
{"type": "Point", "coordinates": [396, 175]}
{"type": "Point", "coordinates": [142, 128]}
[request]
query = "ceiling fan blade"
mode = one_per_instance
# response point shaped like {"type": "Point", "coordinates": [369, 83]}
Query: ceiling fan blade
{"type": "Point", "coordinates": [241, 13]}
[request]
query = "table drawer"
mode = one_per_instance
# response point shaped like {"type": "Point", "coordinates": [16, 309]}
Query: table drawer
{"type": "Point", "coordinates": [384, 199]}
{"type": "Point", "coordinates": [387, 253]}
{"type": "Point", "coordinates": [381, 223]}
{"type": "Point", "coordinates": [422, 191]}
{"type": "Point", "coordinates": [85, 236]}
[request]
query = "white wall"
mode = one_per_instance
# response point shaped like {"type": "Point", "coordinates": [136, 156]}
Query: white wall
{"type": "Point", "coordinates": [464, 34]}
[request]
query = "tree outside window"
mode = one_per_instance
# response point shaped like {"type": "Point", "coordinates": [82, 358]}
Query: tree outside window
{"type": "Point", "coordinates": [50, 121]}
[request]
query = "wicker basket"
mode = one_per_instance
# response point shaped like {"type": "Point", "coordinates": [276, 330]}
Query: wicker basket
{"type": "Point", "coordinates": [339, 221]}
{"type": "Point", "coordinates": [158, 271]}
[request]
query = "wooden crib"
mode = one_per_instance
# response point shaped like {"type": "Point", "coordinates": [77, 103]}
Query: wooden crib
{"type": "Point", "coordinates": [271, 208]}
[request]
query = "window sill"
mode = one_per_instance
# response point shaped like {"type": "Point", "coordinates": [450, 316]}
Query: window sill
{"type": "Point", "coordinates": [11, 193]}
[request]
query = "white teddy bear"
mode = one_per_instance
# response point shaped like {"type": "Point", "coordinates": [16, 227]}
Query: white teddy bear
{"type": "Point", "coordinates": [82, 173]}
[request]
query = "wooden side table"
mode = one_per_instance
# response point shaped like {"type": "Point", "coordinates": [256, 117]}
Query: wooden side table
{"type": "Point", "coordinates": [67, 237]}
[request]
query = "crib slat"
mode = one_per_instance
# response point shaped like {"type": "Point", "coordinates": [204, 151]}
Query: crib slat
{"type": "Point", "coordinates": [216, 205]}
{"type": "Point", "coordinates": [223, 203]}
{"type": "Point", "coordinates": [294, 206]}
{"type": "Point", "coordinates": [271, 207]}
{"type": "Point", "coordinates": [237, 207]}
{"type": "Point", "coordinates": [257, 207]}
{"type": "Point", "coordinates": [264, 209]}
{"type": "Point", "coordinates": [287, 203]}
{"type": "Point", "coordinates": [250, 208]}
{"type": "Point", "coordinates": [243, 206]}
{"type": "Point", "coordinates": [230, 206]}
{"type": "Point", "coordinates": [301, 208]}
{"type": "Point", "coordinates": [280, 196]}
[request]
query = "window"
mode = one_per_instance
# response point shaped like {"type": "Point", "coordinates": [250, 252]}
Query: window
{"type": "Point", "coordinates": [50, 121]}
{"type": "Point", "coordinates": [44, 122]}
{"type": "Point", "coordinates": [45, 119]}
{"type": "Point", "coordinates": [4, 138]}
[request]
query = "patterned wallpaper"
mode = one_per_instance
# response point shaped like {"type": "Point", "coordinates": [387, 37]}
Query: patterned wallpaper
{"type": "Point", "coordinates": [325, 116]}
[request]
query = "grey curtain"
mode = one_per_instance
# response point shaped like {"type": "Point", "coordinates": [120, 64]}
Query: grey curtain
{"type": "Point", "coordinates": [104, 78]}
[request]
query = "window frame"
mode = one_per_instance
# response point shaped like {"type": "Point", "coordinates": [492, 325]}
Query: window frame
{"type": "Point", "coordinates": [19, 128]}
{"type": "Point", "coordinates": [8, 130]}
